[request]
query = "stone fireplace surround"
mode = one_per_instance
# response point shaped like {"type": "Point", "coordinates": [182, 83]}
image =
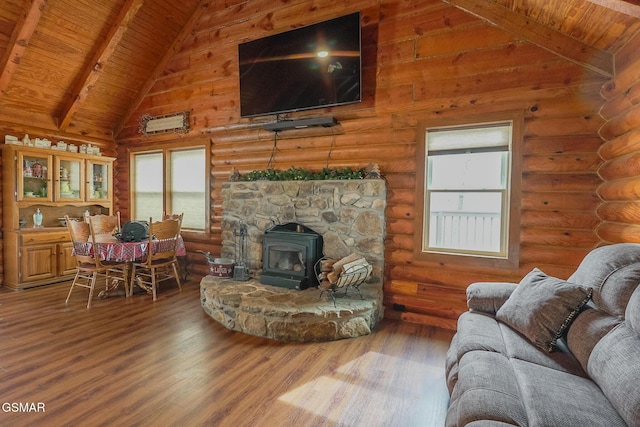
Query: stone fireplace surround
{"type": "Point", "coordinates": [349, 214]}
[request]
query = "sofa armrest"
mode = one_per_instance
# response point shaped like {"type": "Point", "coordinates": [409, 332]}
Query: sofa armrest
{"type": "Point", "coordinates": [488, 297]}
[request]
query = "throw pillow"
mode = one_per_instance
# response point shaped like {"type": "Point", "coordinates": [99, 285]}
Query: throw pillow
{"type": "Point", "coordinates": [542, 307]}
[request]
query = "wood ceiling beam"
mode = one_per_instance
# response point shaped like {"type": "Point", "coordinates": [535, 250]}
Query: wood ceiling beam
{"type": "Point", "coordinates": [100, 58]}
{"type": "Point", "coordinates": [547, 38]}
{"type": "Point", "coordinates": [203, 5]}
{"type": "Point", "coordinates": [19, 41]}
{"type": "Point", "coordinates": [628, 7]}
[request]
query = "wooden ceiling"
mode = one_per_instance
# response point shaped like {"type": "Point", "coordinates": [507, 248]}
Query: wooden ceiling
{"type": "Point", "coordinates": [77, 65]}
{"type": "Point", "coordinates": [82, 66]}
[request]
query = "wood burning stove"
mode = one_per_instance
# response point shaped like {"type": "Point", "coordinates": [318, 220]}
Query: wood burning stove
{"type": "Point", "coordinates": [289, 253]}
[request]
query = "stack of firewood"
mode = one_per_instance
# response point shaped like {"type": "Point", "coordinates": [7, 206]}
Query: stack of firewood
{"type": "Point", "coordinates": [337, 273]}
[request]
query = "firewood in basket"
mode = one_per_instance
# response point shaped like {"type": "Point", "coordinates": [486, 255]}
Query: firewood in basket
{"type": "Point", "coordinates": [327, 264]}
{"type": "Point", "coordinates": [338, 266]}
{"type": "Point", "coordinates": [355, 266]}
{"type": "Point", "coordinates": [333, 277]}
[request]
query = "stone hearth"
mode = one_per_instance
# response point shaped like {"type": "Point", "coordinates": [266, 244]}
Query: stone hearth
{"type": "Point", "coordinates": [288, 314]}
{"type": "Point", "coordinates": [349, 214]}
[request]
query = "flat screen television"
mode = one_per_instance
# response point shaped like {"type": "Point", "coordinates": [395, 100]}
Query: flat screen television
{"type": "Point", "coordinates": [309, 67]}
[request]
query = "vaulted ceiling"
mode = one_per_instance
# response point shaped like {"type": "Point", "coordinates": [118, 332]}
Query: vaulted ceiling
{"type": "Point", "coordinates": [82, 67]}
{"type": "Point", "coordinates": [79, 65]}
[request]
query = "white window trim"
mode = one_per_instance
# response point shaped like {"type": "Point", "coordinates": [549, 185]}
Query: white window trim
{"type": "Point", "coordinates": [508, 259]}
{"type": "Point", "coordinates": [166, 150]}
{"type": "Point", "coordinates": [502, 146]}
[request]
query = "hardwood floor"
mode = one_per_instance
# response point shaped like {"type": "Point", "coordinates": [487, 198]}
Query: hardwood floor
{"type": "Point", "coordinates": [135, 362]}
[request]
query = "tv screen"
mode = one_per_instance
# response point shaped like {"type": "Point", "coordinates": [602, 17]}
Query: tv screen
{"type": "Point", "coordinates": [310, 67]}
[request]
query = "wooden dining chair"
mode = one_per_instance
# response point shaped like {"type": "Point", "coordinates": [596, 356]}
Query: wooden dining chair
{"type": "Point", "coordinates": [182, 267]}
{"type": "Point", "coordinates": [88, 263]}
{"type": "Point", "coordinates": [105, 224]}
{"type": "Point", "coordinates": [162, 263]}
{"type": "Point", "coordinates": [109, 224]}
{"type": "Point", "coordinates": [173, 216]}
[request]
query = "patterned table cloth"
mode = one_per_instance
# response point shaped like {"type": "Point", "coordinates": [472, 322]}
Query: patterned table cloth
{"type": "Point", "coordinates": [114, 250]}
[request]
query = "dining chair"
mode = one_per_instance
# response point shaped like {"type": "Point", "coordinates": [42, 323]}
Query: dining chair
{"type": "Point", "coordinates": [105, 224]}
{"type": "Point", "coordinates": [182, 267]}
{"type": "Point", "coordinates": [109, 224]}
{"type": "Point", "coordinates": [88, 263]}
{"type": "Point", "coordinates": [161, 262]}
{"type": "Point", "coordinates": [173, 216]}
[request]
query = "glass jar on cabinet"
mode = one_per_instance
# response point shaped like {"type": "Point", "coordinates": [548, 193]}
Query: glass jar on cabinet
{"type": "Point", "coordinates": [98, 180]}
{"type": "Point", "coordinates": [69, 178]}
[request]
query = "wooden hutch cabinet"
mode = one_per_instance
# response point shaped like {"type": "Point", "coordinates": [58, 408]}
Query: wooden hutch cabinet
{"type": "Point", "coordinates": [58, 183]}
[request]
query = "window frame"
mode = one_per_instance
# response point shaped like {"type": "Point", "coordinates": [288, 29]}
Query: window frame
{"type": "Point", "coordinates": [166, 151]}
{"type": "Point", "coordinates": [511, 256]}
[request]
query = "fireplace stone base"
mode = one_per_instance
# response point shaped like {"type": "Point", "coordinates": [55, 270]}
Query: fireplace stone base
{"type": "Point", "coordinates": [288, 314]}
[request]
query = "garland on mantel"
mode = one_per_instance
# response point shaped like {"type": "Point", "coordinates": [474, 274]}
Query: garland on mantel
{"type": "Point", "coordinates": [300, 174]}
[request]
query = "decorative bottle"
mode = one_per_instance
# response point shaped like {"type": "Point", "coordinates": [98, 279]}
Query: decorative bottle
{"type": "Point", "coordinates": [37, 218]}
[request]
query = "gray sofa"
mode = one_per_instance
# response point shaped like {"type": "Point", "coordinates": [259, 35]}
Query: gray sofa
{"type": "Point", "coordinates": [549, 352]}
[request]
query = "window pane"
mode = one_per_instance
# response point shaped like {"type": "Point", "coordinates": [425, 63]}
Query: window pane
{"type": "Point", "coordinates": [188, 193]}
{"type": "Point", "coordinates": [465, 221]}
{"type": "Point", "coordinates": [472, 171]}
{"type": "Point", "coordinates": [147, 186]}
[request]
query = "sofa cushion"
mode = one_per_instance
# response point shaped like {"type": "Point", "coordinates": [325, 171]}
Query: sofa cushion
{"type": "Point", "coordinates": [479, 331]}
{"type": "Point", "coordinates": [614, 366]}
{"type": "Point", "coordinates": [632, 314]}
{"type": "Point", "coordinates": [613, 272]}
{"type": "Point", "coordinates": [542, 307]}
{"type": "Point", "coordinates": [506, 390]}
{"type": "Point", "coordinates": [487, 390]}
{"type": "Point", "coordinates": [555, 398]}
{"type": "Point", "coordinates": [586, 331]}
{"type": "Point", "coordinates": [451, 364]}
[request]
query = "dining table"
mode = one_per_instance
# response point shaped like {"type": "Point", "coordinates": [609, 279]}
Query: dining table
{"type": "Point", "coordinates": [111, 249]}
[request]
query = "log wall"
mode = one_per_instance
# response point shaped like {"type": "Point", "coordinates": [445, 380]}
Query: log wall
{"type": "Point", "coordinates": [422, 60]}
{"type": "Point", "coordinates": [620, 192]}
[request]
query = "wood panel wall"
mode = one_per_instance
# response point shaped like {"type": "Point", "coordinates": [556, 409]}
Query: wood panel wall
{"type": "Point", "coordinates": [422, 59]}
{"type": "Point", "coordinates": [620, 211]}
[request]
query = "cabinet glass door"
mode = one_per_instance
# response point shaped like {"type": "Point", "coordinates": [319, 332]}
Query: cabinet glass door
{"type": "Point", "coordinates": [99, 181]}
{"type": "Point", "coordinates": [34, 176]}
{"type": "Point", "coordinates": [69, 178]}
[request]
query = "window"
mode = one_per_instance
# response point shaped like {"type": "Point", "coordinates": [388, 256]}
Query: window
{"type": "Point", "coordinates": [466, 189]}
{"type": "Point", "coordinates": [147, 186]}
{"type": "Point", "coordinates": [172, 181]}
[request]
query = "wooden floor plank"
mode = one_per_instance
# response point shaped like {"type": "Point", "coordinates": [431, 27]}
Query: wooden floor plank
{"type": "Point", "coordinates": [130, 361]}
